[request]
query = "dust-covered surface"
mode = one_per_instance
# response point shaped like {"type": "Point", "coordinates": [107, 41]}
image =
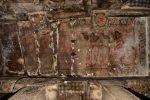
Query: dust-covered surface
{"type": "Point", "coordinates": [74, 90]}
{"type": "Point", "coordinates": [65, 88]}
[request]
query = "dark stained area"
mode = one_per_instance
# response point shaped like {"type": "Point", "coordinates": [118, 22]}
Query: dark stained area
{"type": "Point", "coordinates": [10, 49]}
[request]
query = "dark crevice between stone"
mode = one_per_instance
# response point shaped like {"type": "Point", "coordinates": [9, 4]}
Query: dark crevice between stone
{"type": "Point", "coordinates": [141, 96]}
{"type": "Point", "coordinates": [6, 96]}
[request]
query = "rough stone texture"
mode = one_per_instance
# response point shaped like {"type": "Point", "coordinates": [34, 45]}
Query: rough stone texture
{"type": "Point", "coordinates": [50, 37]}
{"type": "Point", "coordinates": [69, 39]}
{"type": "Point", "coordinates": [106, 4]}
{"type": "Point", "coordinates": [74, 90]}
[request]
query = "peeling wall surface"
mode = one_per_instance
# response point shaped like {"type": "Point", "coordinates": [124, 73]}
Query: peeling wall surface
{"type": "Point", "coordinates": [42, 40]}
{"type": "Point", "coordinates": [81, 37]}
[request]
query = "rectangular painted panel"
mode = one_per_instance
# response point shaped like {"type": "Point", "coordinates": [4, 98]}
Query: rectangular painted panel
{"type": "Point", "coordinates": [27, 38]}
{"type": "Point", "coordinates": [11, 56]}
{"type": "Point", "coordinates": [47, 50]}
{"type": "Point", "coordinates": [115, 47]}
{"type": "Point", "coordinates": [64, 49]}
{"type": "Point", "coordinates": [112, 47]}
{"type": "Point", "coordinates": [94, 46]}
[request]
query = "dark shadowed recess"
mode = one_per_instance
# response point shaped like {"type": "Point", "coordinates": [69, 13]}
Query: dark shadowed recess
{"type": "Point", "coordinates": [141, 96]}
{"type": "Point", "coordinates": [5, 96]}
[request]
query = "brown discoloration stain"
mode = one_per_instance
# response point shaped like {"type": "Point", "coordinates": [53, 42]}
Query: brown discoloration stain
{"type": "Point", "coordinates": [13, 64]}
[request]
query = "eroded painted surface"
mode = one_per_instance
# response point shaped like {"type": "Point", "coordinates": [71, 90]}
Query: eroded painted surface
{"type": "Point", "coordinates": [113, 46]}
{"type": "Point", "coordinates": [81, 37]}
{"type": "Point", "coordinates": [28, 46]}
{"type": "Point", "coordinates": [100, 46]}
{"type": "Point", "coordinates": [10, 49]}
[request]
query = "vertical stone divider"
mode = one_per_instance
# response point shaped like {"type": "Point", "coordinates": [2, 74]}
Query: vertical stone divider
{"type": "Point", "coordinates": [73, 39]}
{"type": "Point", "coordinates": [21, 50]}
{"type": "Point", "coordinates": [55, 31]}
{"type": "Point", "coordinates": [37, 51]}
{"type": "Point", "coordinates": [45, 46]}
